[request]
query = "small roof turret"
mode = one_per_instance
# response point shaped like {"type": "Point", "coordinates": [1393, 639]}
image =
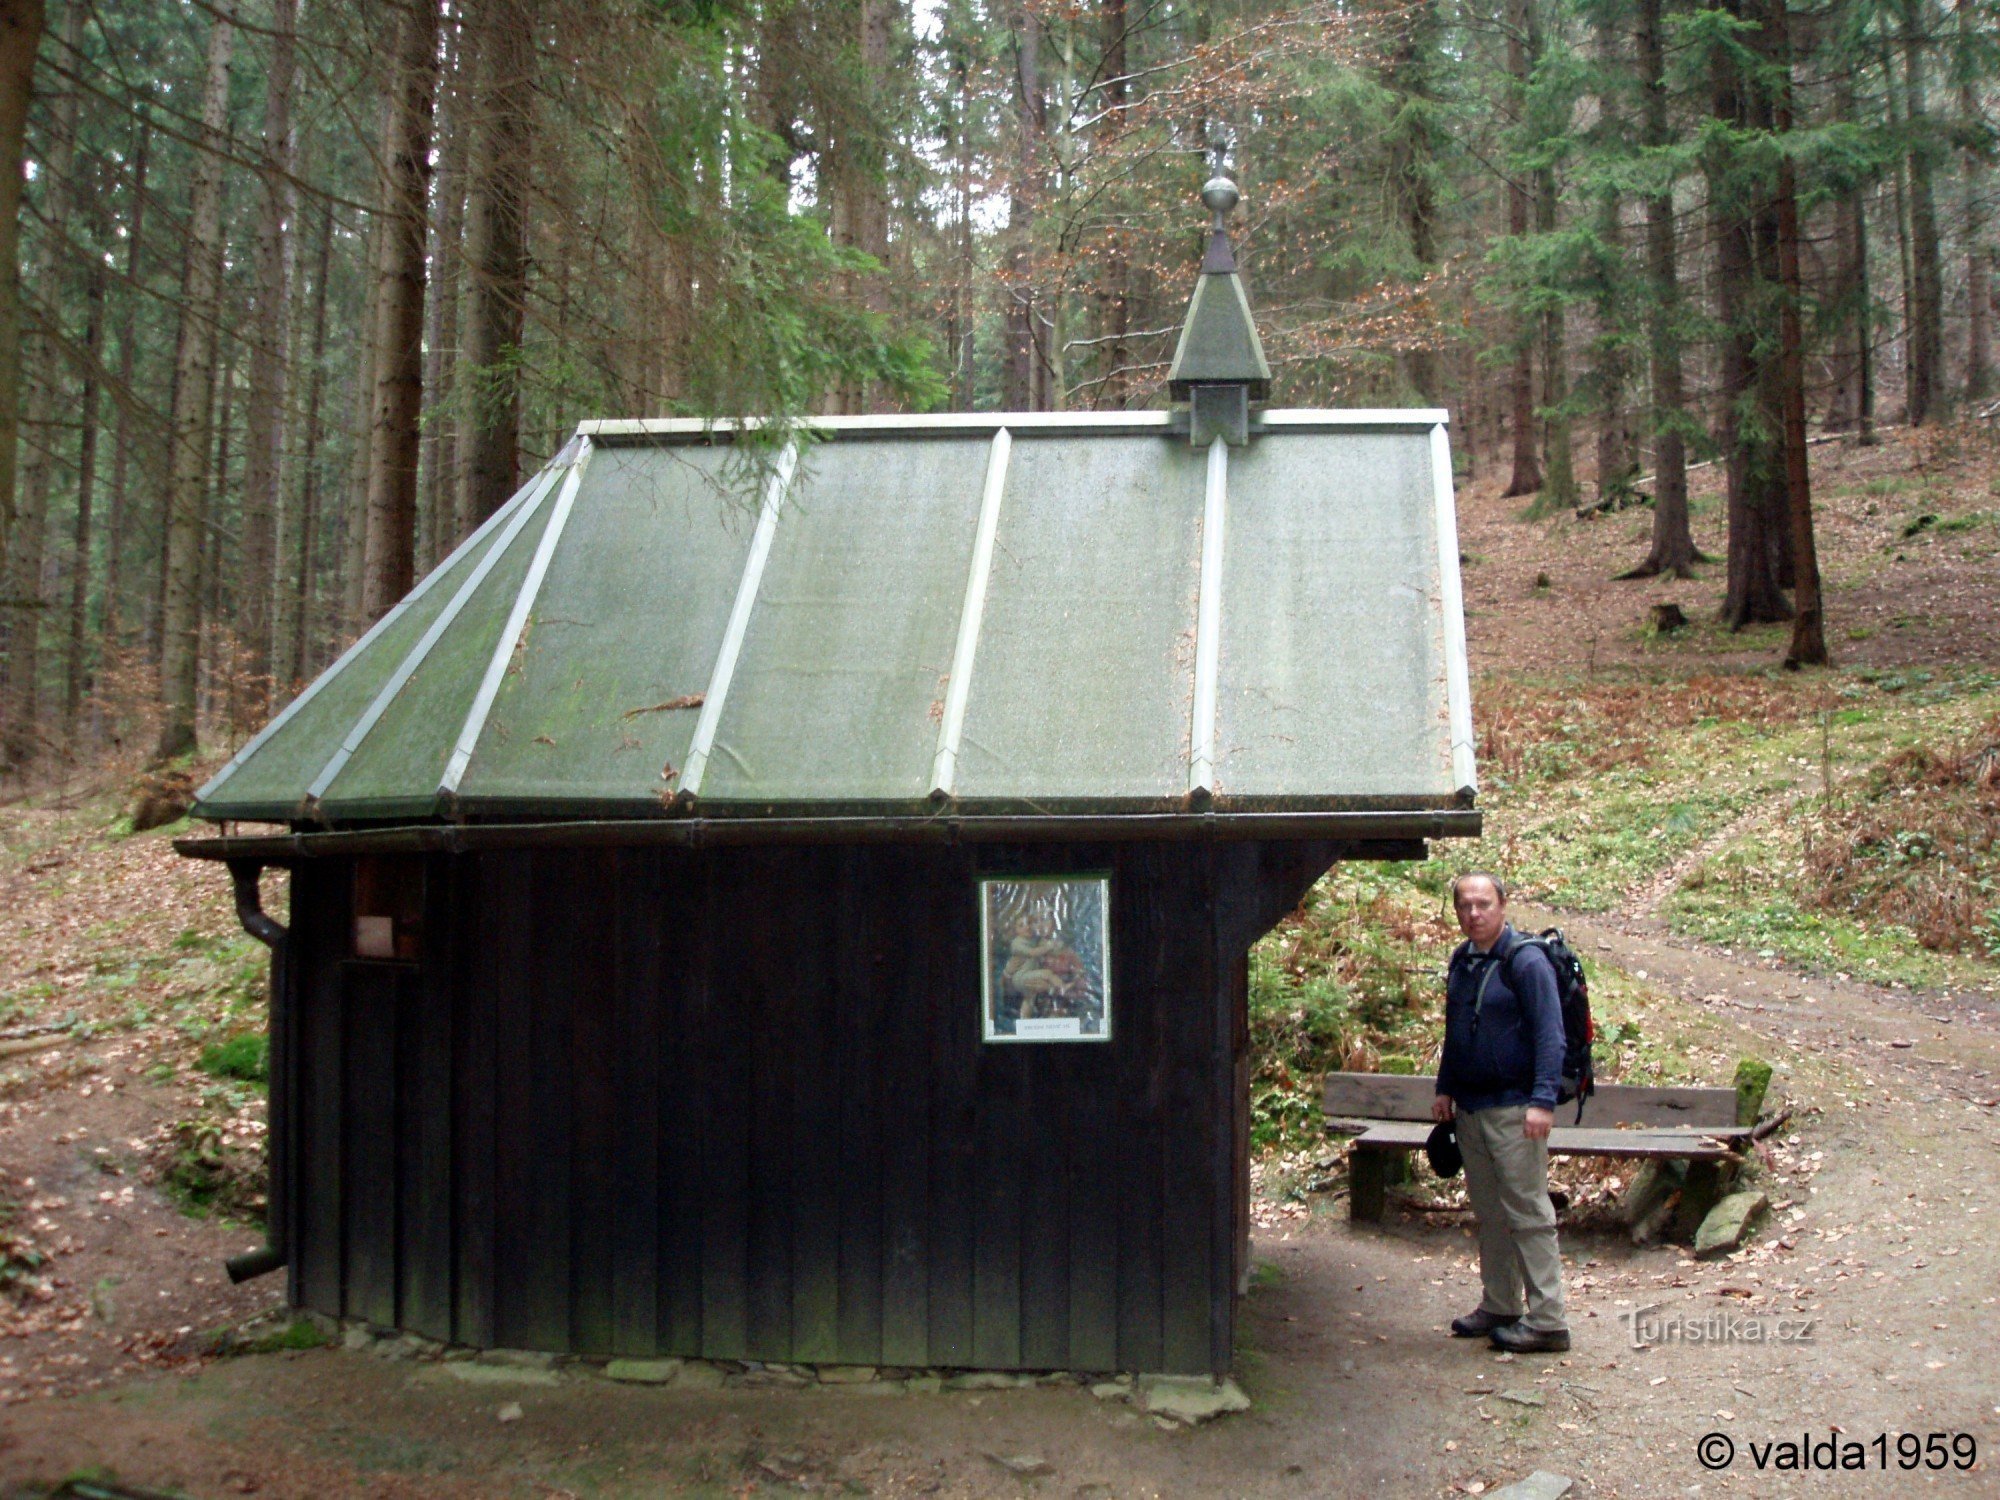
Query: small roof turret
{"type": "Point", "coordinates": [1219, 343]}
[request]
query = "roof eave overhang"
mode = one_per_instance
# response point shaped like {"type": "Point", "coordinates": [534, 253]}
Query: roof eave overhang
{"type": "Point", "coordinates": [1405, 828]}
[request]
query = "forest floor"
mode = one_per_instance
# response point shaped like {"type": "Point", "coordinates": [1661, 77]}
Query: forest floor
{"type": "Point", "coordinates": [1659, 796]}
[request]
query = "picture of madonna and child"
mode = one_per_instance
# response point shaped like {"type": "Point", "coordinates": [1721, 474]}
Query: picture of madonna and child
{"type": "Point", "coordinates": [1045, 958]}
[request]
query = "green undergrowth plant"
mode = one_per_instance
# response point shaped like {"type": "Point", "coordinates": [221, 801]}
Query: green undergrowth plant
{"type": "Point", "coordinates": [246, 1056]}
{"type": "Point", "coordinates": [1348, 981]}
{"type": "Point", "coordinates": [1895, 877]}
{"type": "Point", "coordinates": [208, 1174]}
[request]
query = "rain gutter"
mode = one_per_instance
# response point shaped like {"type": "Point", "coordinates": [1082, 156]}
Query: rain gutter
{"type": "Point", "coordinates": [1391, 828]}
{"type": "Point", "coordinates": [274, 1253]}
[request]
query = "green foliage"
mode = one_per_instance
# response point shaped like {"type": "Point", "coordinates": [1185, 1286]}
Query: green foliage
{"type": "Point", "coordinates": [209, 1176]}
{"type": "Point", "coordinates": [245, 1056]}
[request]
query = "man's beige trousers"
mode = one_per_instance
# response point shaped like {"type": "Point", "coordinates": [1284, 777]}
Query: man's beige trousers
{"type": "Point", "coordinates": [1507, 1179]}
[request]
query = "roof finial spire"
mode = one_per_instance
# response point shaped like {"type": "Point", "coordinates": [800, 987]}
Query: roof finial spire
{"type": "Point", "coordinates": [1219, 366]}
{"type": "Point", "coordinates": [1221, 195]}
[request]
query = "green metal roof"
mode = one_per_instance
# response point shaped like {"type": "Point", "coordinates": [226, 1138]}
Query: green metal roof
{"type": "Point", "coordinates": [1017, 616]}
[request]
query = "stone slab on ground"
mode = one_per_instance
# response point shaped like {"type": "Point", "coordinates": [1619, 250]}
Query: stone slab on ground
{"type": "Point", "coordinates": [1724, 1226]}
{"type": "Point", "coordinates": [1540, 1485]}
{"type": "Point", "coordinates": [471, 1372]}
{"type": "Point", "coordinates": [1191, 1398]}
{"type": "Point", "coordinates": [699, 1375]}
{"type": "Point", "coordinates": [643, 1371]}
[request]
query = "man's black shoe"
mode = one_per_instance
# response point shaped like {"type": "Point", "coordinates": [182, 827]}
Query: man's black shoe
{"type": "Point", "coordinates": [1477, 1324]}
{"type": "Point", "coordinates": [1518, 1340]}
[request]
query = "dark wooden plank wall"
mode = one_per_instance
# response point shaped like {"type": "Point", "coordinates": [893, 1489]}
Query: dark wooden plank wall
{"type": "Point", "coordinates": [735, 1103]}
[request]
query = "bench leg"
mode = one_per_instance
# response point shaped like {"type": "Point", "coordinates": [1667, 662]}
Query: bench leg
{"type": "Point", "coordinates": [1369, 1174]}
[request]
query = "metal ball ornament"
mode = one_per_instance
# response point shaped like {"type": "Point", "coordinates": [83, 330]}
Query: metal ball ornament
{"type": "Point", "coordinates": [1220, 194]}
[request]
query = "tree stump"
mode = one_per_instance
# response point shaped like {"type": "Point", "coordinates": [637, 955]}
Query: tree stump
{"type": "Point", "coordinates": [1667, 618]}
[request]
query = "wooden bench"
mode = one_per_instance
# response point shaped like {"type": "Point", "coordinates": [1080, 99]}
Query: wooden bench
{"type": "Point", "coordinates": [1392, 1114]}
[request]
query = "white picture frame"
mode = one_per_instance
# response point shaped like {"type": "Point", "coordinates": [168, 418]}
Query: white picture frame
{"type": "Point", "coordinates": [1045, 958]}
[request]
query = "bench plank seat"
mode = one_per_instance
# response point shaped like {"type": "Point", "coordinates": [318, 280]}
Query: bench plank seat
{"type": "Point", "coordinates": [1394, 1096]}
{"type": "Point", "coordinates": [1582, 1140]}
{"type": "Point", "coordinates": [1392, 1115]}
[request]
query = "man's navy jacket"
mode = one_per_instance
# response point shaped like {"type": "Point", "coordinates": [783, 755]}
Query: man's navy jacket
{"type": "Point", "coordinates": [1513, 1052]}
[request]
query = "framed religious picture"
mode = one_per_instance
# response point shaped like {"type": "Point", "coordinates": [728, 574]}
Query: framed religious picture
{"type": "Point", "coordinates": [1046, 944]}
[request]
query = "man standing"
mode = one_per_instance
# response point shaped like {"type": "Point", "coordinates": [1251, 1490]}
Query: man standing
{"type": "Point", "coordinates": [1502, 1065]}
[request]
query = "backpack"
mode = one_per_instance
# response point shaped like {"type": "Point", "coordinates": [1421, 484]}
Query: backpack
{"type": "Point", "coordinates": [1579, 1073]}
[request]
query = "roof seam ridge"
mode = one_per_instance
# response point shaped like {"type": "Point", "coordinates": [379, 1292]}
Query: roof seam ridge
{"type": "Point", "coordinates": [517, 619]}
{"type": "Point", "coordinates": [1457, 675]}
{"type": "Point", "coordinates": [703, 741]}
{"type": "Point", "coordinates": [418, 653]}
{"type": "Point", "coordinates": [972, 613]}
{"type": "Point", "coordinates": [368, 638]}
{"type": "Point", "coordinates": [1208, 623]}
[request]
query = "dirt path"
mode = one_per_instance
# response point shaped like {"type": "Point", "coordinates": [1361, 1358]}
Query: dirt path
{"type": "Point", "coordinates": [1881, 1239]}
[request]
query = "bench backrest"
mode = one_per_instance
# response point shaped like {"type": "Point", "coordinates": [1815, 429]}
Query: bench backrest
{"type": "Point", "coordinates": [1396, 1096]}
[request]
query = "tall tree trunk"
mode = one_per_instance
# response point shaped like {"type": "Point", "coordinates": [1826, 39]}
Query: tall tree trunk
{"type": "Point", "coordinates": [20, 37]}
{"type": "Point", "coordinates": [128, 355]}
{"type": "Point", "coordinates": [307, 562]}
{"type": "Point", "coordinates": [1753, 593]}
{"type": "Point", "coordinates": [1023, 360]}
{"type": "Point", "coordinates": [1611, 375]}
{"type": "Point", "coordinates": [965, 366]}
{"type": "Point", "coordinates": [1978, 252]}
{"type": "Point", "coordinates": [1559, 490]}
{"type": "Point", "coordinates": [1808, 646]}
{"type": "Point", "coordinates": [1849, 292]}
{"type": "Point", "coordinates": [1673, 549]}
{"type": "Point", "coordinates": [222, 655]}
{"type": "Point", "coordinates": [1611, 363]}
{"type": "Point", "coordinates": [77, 666]}
{"type": "Point", "coordinates": [1527, 475]}
{"type": "Point", "coordinates": [1115, 278]}
{"type": "Point", "coordinates": [180, 611]}
{"type": "Point", "coordinates": [496, 264]}
{"type": "Point", "coordinates": [354, 512]}
{"type": "Point", "coordinates": [264, 438]}
{"type": "Point", "coordinates": [1412, 165]}
{"type": "Point", "coordinates": [1926, 392]}
{"type": "Point", "coordinates": [27, 539]}
{"type": "Point", "coordinates": [854, 167]}
{"type": "Point", "coordinates": [437, 490]}
{"type": "Point", "coordinates": [389, 549]}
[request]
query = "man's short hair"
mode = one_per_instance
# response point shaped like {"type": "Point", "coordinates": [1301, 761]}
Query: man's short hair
{"type": "Point", "coordinates": [1499, 885]}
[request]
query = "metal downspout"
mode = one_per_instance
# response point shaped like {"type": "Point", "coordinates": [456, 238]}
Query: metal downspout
{"type": "Point", "coordinates": [274, 1252]}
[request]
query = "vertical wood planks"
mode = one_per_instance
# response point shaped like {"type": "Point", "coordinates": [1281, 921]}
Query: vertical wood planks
{"type": "Point", "coordinates": [520, 1128]}
{"type": "Point", "coordinates": [762, 992]}
{"type": "Point", "coordinates": [949, 935]}
{"type": "Point", "coordinates": [588, 994]}
{"type": "Point", "coordinates": [637, 1171]}
{"type": "Point", "coordinates": [1140, 911]}
{"type": "Point", "coordinates": [806, 1012]}
{"type": "Point", "coordinates": [998, 1167]}
{"type": "Point", "coordinates": [859, 1053]}
{"type": "Point", "coordinates": [491, 945]}
{"type": "Point", "coordinates": [1044, 1142]}
{"type": "Point", "coordinates": [546, 1130]}
{"type": "Point", "coordinates": [321, 915]}
{"type": "Point", "coordinates": [424, 1115]}
{"type": "Point", "coordinates": [914, 979]}
{"type": "Point", "coordinates": [734, 1102]}
{"type": "Point", "coordinates": [725, 1032]}
{"type": "Point", "coordinates": [368, 1087]}
{"type": "Point", "coordinates": [1192, 1199]}
{"type": "Point", "coordinates": [678, 994]}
